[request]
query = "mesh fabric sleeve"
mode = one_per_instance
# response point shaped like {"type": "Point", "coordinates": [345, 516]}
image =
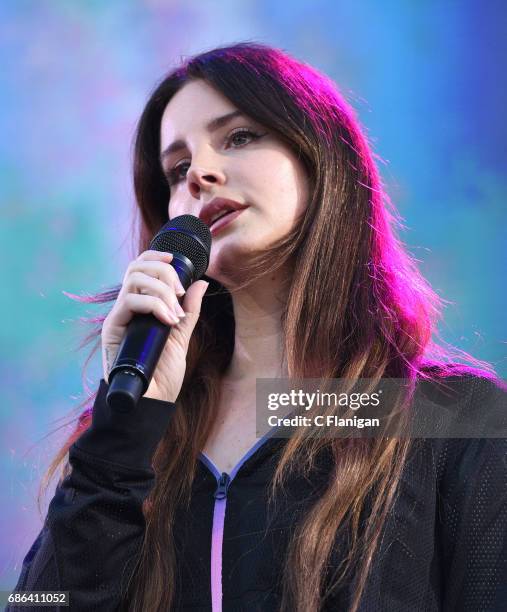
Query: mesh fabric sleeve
{"type": "Point", "coordinates": [94, 527]}
{"type": "Point", "coordinates": [474, 515]}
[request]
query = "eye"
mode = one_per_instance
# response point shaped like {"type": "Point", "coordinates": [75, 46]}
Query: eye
{"type": "Point", "coordinates": [238, 138]}
{"type": "Point", "coordinates": [242, 136]}
{"type": "Point", "coordinates": [174, 175]}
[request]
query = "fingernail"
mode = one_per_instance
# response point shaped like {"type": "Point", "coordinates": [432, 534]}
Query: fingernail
{"type": "Point", "coordinates": [172, 317]}
{"type": "Point", "coordinates": [180, 311]}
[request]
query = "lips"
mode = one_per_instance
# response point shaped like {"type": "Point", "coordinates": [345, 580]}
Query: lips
{"type": "Point", "coordinates": [229, 212]}
{"type": "Point", "coordinates": [224, 221]}
{"type": "Point", "coordinates": [219, 208]}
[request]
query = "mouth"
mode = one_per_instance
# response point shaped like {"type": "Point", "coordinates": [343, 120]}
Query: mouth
{"type": "Point", "coordinates": [224, 220]}
{"type": "Point", "coordinates": [219, 208]}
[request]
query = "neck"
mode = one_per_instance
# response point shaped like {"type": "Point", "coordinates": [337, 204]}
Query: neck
{"type": "Point", "coordinates": [258, 342]}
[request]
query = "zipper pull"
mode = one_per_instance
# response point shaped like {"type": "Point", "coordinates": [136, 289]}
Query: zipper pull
{"type": "Point", "coordinates": [223, 485]}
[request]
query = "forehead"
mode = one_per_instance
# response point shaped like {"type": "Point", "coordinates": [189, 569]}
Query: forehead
{"type": "Point", "coordinates": [191, 108]}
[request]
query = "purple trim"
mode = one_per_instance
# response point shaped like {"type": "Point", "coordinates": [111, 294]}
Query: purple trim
{"type": "Point", "coordinates": [217, 530]}
{"type": "Point", "coordinates": [217, 536]}
{"type": "Point", "coordinates": [210, 465]}
{"type": "Point", "coordinates": [215, 471]}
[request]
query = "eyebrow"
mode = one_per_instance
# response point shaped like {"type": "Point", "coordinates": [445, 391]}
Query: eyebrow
{"type": "Point", "coordinates": [212, 126]}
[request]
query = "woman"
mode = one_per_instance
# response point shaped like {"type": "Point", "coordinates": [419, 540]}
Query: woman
{"type": "Point", "coordinates": [308, 280]}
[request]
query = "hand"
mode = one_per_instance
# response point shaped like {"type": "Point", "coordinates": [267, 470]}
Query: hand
{"type": "Point", "coordinates": [151, 285]}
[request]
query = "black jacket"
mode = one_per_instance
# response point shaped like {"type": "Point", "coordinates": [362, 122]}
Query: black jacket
{"type": "Point", "coordinates": [444, 546]}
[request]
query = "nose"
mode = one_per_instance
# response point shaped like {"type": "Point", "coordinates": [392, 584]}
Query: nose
{"type": "Point", "coordinates": [203, 179]}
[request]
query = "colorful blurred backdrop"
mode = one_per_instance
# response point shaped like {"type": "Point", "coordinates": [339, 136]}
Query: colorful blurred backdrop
{"type": "Point", "coordinates": [426, 79]}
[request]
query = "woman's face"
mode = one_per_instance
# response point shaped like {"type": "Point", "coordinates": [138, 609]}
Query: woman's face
{"type": "Point", "coordinates": [236, 158]}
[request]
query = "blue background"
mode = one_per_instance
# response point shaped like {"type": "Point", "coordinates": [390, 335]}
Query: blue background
{"type": "Point", "coordinates": [425, 78]}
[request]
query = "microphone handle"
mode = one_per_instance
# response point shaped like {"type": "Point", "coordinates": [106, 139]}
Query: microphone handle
{"type": "Point", "coordinates": [136, 361]}
{"type": "Point", "coordinates": [141, 348]}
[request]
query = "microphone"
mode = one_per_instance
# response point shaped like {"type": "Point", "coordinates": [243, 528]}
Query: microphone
{"type": "Point", "coordinates": [189, 240]}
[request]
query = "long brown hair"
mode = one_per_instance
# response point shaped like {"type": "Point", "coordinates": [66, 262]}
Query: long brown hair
{"type": "Point", "coordinates": [357, 308]}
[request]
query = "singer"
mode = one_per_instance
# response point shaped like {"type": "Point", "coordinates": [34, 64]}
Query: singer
{"type": "Point", "coordinates": [175, 504]}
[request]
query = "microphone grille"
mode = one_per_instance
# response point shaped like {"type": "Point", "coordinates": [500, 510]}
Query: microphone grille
{"type": "Point", "coordinates": [189, 236]}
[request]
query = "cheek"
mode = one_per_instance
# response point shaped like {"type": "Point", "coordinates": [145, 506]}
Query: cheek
{"type": "Point", "coordinates": [283, 182]}
{"type": "Point", "coordinates": [178, 205]}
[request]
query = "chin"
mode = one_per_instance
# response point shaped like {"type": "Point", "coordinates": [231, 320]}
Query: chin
{"type": "Point", "coordinates": [224, 258]}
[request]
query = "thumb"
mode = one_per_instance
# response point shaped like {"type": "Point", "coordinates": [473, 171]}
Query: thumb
{"type": "Point", "coordinates": [192, 306]}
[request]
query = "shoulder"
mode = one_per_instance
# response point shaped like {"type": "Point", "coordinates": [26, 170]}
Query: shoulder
{"type": "Point", "coordinates": [446, 383]}
{"type": "Point", "coordinates": [464, 402]}
{"type": "Point", "coordinates": [467, 426]}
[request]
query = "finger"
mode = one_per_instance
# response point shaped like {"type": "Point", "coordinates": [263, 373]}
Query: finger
{"type": "Point", "coordinates": [160, 270]}
{"type": "Point", "coordinates": [144, 304]}
{"type": "Point", "coordinates": [155, 255]}
{"type": "Point", "coordinates": [140, 283]}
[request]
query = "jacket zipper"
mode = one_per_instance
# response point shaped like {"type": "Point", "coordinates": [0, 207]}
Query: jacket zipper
{"type": "Point", "coordinates": [217, 537]}
{"type": "Point", "coordinates": [217, 529]}
{"type": "Point", "coordinates": [223, 485]}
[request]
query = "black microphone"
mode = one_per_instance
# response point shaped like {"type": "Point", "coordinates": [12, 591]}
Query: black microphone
{"type": "Point", "coordinates": [189, 240]}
